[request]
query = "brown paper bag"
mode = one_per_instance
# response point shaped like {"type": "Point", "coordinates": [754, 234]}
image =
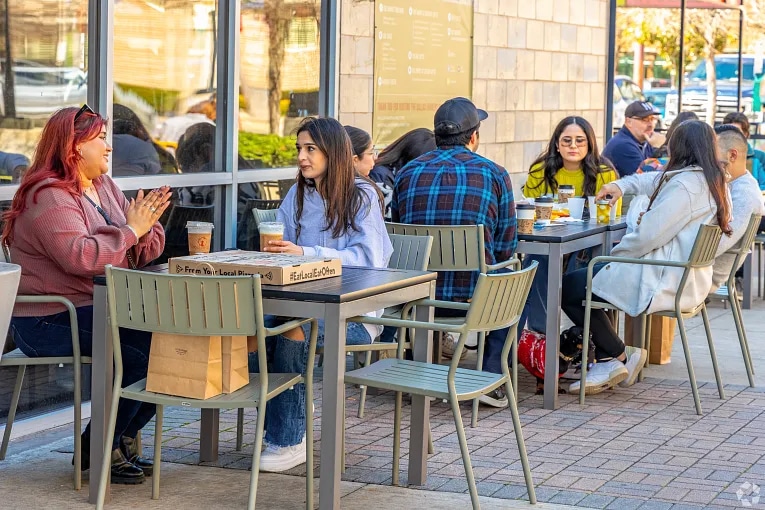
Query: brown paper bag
{"type": "Point", "coordinates": [235, 363]}
{"type": "Point", "coordinates": [185, 366]}
{"type": "Point", "coordinates": [662, 337]}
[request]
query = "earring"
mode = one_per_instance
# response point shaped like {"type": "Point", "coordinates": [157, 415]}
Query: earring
{"type": "Point", "coordinates": [80, 151]}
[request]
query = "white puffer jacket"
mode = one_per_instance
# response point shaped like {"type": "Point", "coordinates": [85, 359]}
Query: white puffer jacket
{"type": "Point", "coordinates": [666, 232]}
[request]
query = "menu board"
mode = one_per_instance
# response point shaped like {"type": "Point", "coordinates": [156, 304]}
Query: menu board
{"type": "Point", "coordinates": [423, 56]}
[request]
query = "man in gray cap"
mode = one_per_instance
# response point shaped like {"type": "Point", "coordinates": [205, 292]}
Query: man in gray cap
{"type": "Point", "coordinates": [628, 148]}
{"type": "Point", "coordinates": [453, 185]}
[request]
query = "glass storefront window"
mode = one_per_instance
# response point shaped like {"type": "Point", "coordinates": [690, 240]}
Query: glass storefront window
{"type": "Point", "coordinates": [165, 85]}
{"type": "Point", "coordinates": [43, 58]}
{"type": "Point", "coordinates": [279, 78]}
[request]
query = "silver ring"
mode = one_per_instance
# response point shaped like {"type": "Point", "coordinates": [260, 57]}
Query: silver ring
{"type": "Point", "coordinates": [153, 209]}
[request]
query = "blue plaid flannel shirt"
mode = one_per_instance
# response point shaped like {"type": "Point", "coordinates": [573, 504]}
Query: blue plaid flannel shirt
{"type": "Point", "coordinates": [455, 186]}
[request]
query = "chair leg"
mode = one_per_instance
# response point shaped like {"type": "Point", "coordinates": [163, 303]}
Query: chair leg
{"type": "Point", "coordinates": [514, 369]}
{"type": "Point", "coordinates": [12, 411]}
{"type": "Point", "coordinates": [689, 364]}
{"type": "Point", "coordinates": [742, 340]}
{"type": "Point", "coordinates": [106, 465]}
{"type": "Point", "coordinates": [260, 425]}
{"type": "Point", "coordinates": [397, 438]}
{"type": "Point", "coordinates": [77, 426]}
{"type": "Point", "coordinates": [718, 377]}
{"type": "Point", "coordinates": [521, 444]}
{"type": "Point", "coordinates": [585, 347]}
{"type": "Point", "coordinates": [309, 443]}
{"type": "Point", "coordinates": [363, 388]}
{"type": "Point", "coordinates": [158, 423]}
{"type": "Point", "coordinates": [479, 367]}
{"type": "Point", "coordinates": [239, 429]}
{"type": "Point", "coordinates": [469, 475]}
{"type": "Point", "coordinates": [645, 343]}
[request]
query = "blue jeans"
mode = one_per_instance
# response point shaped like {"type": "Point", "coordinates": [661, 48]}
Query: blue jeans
{"type": "Point", "coordinates": [285, 413]}
{"type": "Point", "coordinates": [51, 335]}
{"type": "Point", "coordinates": [534, 315]}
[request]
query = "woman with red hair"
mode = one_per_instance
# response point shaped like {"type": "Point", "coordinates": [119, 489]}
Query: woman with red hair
{"type": "Point", "coordinates": [68, 220]}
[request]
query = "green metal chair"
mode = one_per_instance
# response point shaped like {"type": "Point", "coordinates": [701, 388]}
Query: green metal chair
{"type": "Point", "coordinates": [729, 293]}
{"type": "Point", "coordinates": [460, 248]}
{"type": "Point", "coordinates": [409, 252]}
{"type": "Point", "coordinates": [497, 303]}
{"type": "Point", "coordinates": [18, 359]}
{"type": "Point", "coordinates": [702, 255]}
{"type": "Point", "coordinates": [263, 215]}
{"type": "Point", "coordinates": [195, 305]}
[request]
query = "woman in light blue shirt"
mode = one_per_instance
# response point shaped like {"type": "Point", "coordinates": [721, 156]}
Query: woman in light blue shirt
{"type": "Point", "coordinates": [330, 212]}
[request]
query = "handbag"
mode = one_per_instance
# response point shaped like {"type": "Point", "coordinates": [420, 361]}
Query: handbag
{"type": "Point", "coordinates": [129, 253]}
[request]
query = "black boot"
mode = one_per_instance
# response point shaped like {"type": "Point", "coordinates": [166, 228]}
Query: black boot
{"type": "Point", "coordinates": [123, 471]}
{"type": "Point", "coordinates": [129, 448]}
{"type": "Point", "coordinates": [84, 450]}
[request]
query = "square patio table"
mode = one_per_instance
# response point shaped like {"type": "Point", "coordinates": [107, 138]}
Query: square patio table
{"type": "Point", "coordinates": [357, 291]}
{"type": "Point", "coordinates": [556, 241]}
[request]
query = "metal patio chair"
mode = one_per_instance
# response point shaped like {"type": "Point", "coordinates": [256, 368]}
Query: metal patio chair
{"type": "Point", "coordinates": [18, 359]}
{"type": "Point", "coordinates": [460, 248]}
{"type": "Point", "coordinates": [702, 255]}
{"type": "Point", "coordinates": [497, 303]}
{"type": "Point", "coordinates": [196, 305]}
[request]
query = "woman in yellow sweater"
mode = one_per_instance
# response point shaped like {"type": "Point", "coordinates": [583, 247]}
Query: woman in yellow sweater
{"type": "Point", "coordinates": [571, 158]}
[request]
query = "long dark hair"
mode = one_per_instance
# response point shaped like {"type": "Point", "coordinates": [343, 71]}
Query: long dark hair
{"type": "Point", "coordinates": [407, 147]}
{"type": "Point", "coordinates": [552, 161]}
{"type": "Point", "coordinates": [343, 199]}
{"type": "Point", "coordinates": [55, 157]}
{"type": "Point", "coordinates": [360, 140]}
{"type": "Point", "coordinates": [693, 144]}
{"type": "Point", "coordinates": [662, 151]}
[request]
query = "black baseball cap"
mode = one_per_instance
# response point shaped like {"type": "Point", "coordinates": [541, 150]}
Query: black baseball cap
{"type": "Point", "coordinates": [457, 116]}
{"type": "Point", "coordinates": [640, 110]}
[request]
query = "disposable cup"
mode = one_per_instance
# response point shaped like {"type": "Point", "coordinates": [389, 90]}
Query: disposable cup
{"type": "Point", "coordinates": [591, 207]}
{"type": "Point", "coordinates": [576, 207]}
{"type": "Point", "coordinates": [544, 207]}
{"type": "Point", "coordinates": [525, 215]}
{"type": "Point", "coordinates": [603, 208]}
{"type": "Point", "coordinates": [270, 231]}
{"type": "Point", "coordinates": [200, 236]}
{"type": "Point", "coordinates": [565, 192]}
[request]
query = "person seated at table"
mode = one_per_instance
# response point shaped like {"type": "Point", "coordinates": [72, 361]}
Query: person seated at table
{"type": "Point", "coordinates": [12, 166]}
{"type": "Point", "coordinates": [660, 154]}
{"type": "Point", "coordinates": [68, 220]}
{"type": "Point", "coordinates": [453, 185]}
{"type": "Point", "coordinates": [363, 153]}
{"type": "Point", "coordinates": [692, 191]}
{"type": "Point", "coordinates": [395, 156]}
{"type": "Point", "coordinates": [755, 159]}
{"type": "Point", "coordinates": [571, 158]}
{"type": "Point", "coordinates": [331, 212]}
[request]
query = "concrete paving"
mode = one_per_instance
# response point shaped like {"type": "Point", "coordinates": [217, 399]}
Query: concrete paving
{"type": "Point", "coordinates": [639, 447]}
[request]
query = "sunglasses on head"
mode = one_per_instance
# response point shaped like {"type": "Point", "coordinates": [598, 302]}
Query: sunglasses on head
{"type": "Point", "coordinates": [85, 109]}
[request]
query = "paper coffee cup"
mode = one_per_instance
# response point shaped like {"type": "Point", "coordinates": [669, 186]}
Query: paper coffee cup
{"type": "Point", "coordinates": [200, 236]}
{"type": "Point", "coordinates": [270, 231]}
{"type": "Point", "coordinates": [544, 207]}
{"type": "Point", "coordinates": [565, 192]}
{"type": "Point", "coordinates": [525, 216]}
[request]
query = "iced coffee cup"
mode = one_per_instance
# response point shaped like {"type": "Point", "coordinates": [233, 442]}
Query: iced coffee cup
{"type": "Point", "coordinates": [270, 231]}
{"type": "Point", "coordinates": [525, 216]}
{"type": "Point", "coordinates": [200, 236]}
{"type": "Point", "coordinates": [544, 207]}
{"type": "Point", "coordinates": [565, 192]}
{"type": "Point", "coordinates": [604, 211]}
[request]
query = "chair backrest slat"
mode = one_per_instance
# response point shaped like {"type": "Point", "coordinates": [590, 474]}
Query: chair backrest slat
{"type": "Point", "coordinates": [263, 215]}
{"type": "Point", "coordinates": [705, 246]}
{"type": "Point", "coordinates": [455, 247]}
{"type": "Point", "coordinates": [186, 305]}
{"type": "Point", "coordinates": [498, 299]}
{"type": "Point", "coordinates": [410, 252]}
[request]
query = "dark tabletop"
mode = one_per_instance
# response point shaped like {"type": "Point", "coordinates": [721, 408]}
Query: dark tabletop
{"type": "Point", "coordinates": [563, 233]}
{"type": "Point", "coordinates": [355, 283]}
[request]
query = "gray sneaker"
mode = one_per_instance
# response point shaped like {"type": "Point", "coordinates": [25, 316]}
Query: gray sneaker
{"type": "Point", "coordinates": [448, 346]}
{"type": "Point", "coordinates": [495, 398]}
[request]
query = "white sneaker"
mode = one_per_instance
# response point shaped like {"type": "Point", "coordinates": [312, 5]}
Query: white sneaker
{"type": "Point", "coordinates": [449, 345]}
{"type": "Point", "coordinates": [602, 376]}
{"type": "Point", "coordinates": [636, 358]}
{"type": "Point", "coordinates": [275, 459]}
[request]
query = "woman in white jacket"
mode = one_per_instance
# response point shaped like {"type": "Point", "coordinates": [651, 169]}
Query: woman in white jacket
{"type": "Point", "coordinates": [692, 191]}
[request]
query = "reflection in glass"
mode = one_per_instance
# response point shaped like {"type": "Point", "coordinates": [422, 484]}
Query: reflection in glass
{"type": "Point", "coordinates": [42, 69]}
{"type": "Point", "coordinates": [164, 72]}
{"type": "Point", "coordinates": [279, 78]}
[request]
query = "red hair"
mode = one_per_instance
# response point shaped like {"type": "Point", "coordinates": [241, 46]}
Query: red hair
{"type": "Point", "coordinates": [56, 157]}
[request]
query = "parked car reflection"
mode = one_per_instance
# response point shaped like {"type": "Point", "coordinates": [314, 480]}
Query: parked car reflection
{"type": "Point", "coordinates": [40, 90]}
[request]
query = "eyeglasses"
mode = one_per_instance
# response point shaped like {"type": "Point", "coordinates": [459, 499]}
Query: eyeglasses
{"type": "Point", "coordinates": [646, 120]}
{"type": "Point", "coordinates": [578, 142]}
{"type": "Point", "coordinates": [85, 109]}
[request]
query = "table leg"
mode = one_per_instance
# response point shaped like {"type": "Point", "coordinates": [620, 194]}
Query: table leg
{"type": "Point", "coordinates": [333, 408]}
{"type": "Point", "coordinates": [552, 327]}
{"type": "Point", "coordinates": [420, 425]}
{"type": "Point", "coordinates": [209, 432]}
{"type": "Point", "coordinates": [100, 389]}
{"type": "Point", "coordinates": [747, 303]}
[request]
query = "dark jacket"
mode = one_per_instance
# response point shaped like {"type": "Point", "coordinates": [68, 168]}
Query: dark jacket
{"type": "Point", "coordinates": [626, 153]}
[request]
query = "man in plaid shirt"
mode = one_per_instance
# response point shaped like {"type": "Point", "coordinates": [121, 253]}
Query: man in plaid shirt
{"type": "Point", "coordinates": [453, 185]}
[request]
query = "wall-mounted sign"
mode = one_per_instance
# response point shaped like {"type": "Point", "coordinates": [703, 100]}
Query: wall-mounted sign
{"type": "Point", "coordinates": [423, 56]}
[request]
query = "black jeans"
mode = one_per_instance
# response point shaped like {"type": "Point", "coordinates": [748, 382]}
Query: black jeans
{"type": "Point", "coordinates": [607, 342]}
{"type": "Point", "coordinates": [50, 335]}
